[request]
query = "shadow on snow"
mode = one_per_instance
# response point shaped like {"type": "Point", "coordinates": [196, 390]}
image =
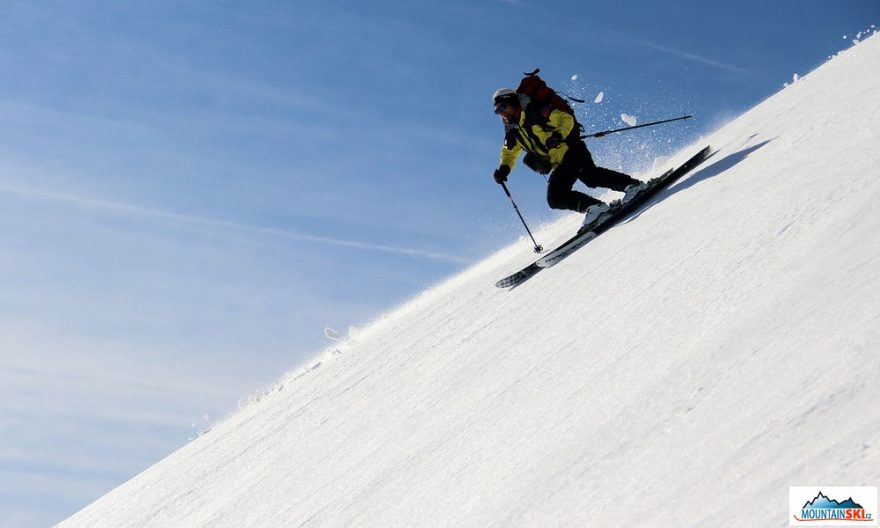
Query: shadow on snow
{"type": "Point", "coordinates": [700, 176]}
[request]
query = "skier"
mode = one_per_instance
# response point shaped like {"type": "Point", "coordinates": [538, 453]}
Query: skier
{"type": "Point", "coordinates": [551, 139]}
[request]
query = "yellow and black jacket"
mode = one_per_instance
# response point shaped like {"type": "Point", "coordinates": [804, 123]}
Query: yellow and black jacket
{"type": "Point", "coordinates": [535, 127]}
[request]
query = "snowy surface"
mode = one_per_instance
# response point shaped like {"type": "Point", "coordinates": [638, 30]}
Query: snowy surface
{"type": "Point", "coordinates": [684, 369]}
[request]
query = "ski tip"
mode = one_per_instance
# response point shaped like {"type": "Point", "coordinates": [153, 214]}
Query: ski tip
{"type": "Point", "coordinates": [507, 282]}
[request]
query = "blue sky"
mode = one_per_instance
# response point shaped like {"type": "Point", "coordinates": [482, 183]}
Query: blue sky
{"type": "Point", "coordinates": [191, 191]}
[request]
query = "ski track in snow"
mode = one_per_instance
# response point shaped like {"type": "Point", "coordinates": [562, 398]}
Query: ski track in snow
{"type": "Point", "coordinates": [684, 369]}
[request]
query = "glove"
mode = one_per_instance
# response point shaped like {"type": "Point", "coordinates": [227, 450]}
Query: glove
{"type": "Point", "coordinates": [554, 141]}
{"type": "Point", "coordinates": [501, 174]}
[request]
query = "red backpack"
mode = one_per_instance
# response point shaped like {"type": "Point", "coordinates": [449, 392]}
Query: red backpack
{"type": "Point", "coordinates": [538, 91]}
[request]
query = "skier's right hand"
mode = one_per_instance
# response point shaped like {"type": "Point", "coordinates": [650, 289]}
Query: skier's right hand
{"type": "Point", "coordinates": [501, 174]}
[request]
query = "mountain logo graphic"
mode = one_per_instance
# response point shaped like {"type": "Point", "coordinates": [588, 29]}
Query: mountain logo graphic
{"type": "Point", "coordinates": [821, 501]}
{"type": "Point", "coordinates": [823, 508]}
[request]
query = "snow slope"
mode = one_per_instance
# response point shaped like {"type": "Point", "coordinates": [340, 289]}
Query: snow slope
{"type": "Point", "coordinates": [684, 369]}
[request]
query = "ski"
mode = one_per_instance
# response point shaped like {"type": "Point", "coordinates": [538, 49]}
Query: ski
{"type": "Point", "coordinates": [618, 212]}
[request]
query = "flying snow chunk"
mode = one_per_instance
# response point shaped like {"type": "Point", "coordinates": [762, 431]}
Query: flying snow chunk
{"type": "Point", "coordinates": [628, 119]}
{"type": "Point", "coordinates": [599, 97]}
{"type": "Point", "coordinates": [332, 334]}
{"type": "Point", "coordinates": [795, 78]}
{"type": "Point", "coordinates": [574, 77]}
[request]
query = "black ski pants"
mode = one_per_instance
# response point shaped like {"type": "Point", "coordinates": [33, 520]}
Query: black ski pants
{"type": "Point", "coordinates": [578, 165]}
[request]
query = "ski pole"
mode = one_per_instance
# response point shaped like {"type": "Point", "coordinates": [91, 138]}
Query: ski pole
{"type": "Point", "coordinates": [606, 132]}
{"type": "Point", "coordinates": [538, 248]}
